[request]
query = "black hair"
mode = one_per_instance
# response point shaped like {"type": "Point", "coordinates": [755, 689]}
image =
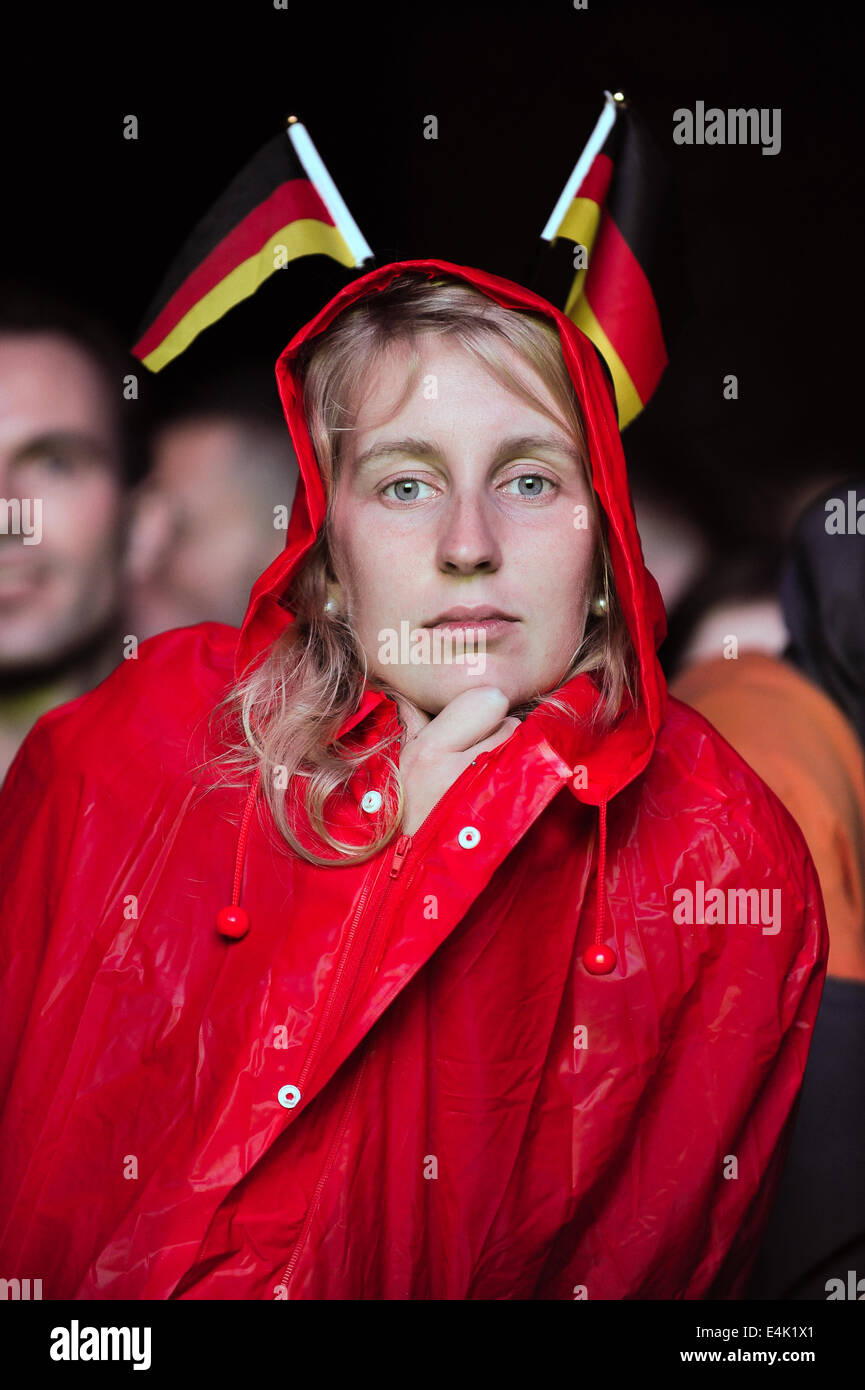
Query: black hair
{"type": "Point", "coordinates": [30, 309]}
{"type": "Point", "coordinates": [243, 389]}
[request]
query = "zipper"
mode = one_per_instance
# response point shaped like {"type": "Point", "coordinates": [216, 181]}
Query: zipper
{"type": "Point", "coordinates": [383, 882]}
{"type": "Point", "coordinates": [401, 849]}
{"type": "Point", "coordinates": [403, 845]}
{"type": "Point", "coordinates": [369, 954]}
{"type": "Point", "coordinates": [376, 890]}
{"type": "Point", "coordinates": [369, 890]}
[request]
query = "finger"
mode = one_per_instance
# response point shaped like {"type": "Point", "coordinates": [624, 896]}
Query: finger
{"type": "Point", "coordinates": [501, 735]}
{"type": "Point", "coordinates": [468, 717]}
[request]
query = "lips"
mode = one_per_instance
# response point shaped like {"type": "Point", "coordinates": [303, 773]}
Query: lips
{"type": "Point", "coordinates": [18, 578]}
{"type": "Point", "coordinates": [471, 615]}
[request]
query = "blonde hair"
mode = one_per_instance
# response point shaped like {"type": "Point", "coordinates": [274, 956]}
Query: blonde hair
{"type": "Point", "coordinates": [312, 679]}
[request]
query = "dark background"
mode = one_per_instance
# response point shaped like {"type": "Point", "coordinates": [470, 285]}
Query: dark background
{"type": "Point", "coordinates": [773, 244]}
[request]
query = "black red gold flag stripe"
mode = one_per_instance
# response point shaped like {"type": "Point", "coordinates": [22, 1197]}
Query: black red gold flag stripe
{"type": "Point", "coordinates": [625, 213]}
{"type": "Point", "coordinates": [270, 214]}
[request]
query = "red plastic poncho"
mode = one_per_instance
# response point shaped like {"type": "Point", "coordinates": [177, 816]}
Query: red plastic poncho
{"type": "Point", "coordinates": [403, 1082]}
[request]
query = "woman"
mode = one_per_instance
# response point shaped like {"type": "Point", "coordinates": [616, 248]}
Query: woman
{"type": "Point", "coordinates": [403, 977]}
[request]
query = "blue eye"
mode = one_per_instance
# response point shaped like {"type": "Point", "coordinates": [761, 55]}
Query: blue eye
{"type": "Point", "coordinates": [401, 484]}
{"type": "Point", "coordinates": [537, 479]}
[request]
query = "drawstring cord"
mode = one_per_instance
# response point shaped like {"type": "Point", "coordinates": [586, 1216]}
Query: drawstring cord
{"type": "Point", "coordinates": [600, 959]}
{"type": "Point", "coordinates": [233, 921]}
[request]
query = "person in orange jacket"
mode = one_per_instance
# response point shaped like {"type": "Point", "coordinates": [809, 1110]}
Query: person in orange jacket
{"type": "Point", "coordinates": [410, 942]}
{"type": "Point", "coordinates": [799, 721]}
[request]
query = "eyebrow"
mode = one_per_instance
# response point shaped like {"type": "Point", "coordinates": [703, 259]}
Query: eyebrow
{"type": "Point", "coordinates": [67, 441]}
{"type": "Point", "coordinates": [509, 448]}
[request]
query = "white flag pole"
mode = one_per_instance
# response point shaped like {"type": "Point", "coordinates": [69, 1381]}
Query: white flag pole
{"type": "Point", "coordinates": [605, 123]}
{"type": "Point", "coordinates": [327, 190]}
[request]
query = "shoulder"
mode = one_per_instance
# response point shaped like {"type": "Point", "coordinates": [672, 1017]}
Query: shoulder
{"type": "Point", "coordinates": [699, 797]}
{"type": "Point", "coordinates": [148, 713]}
{"type": "Point", "coordinates": [690, 747]}
{"type": "Point", "coordinates": [702, 844]}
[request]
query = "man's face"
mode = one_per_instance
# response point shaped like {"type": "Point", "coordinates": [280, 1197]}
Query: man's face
{"type": "Point", "coordinates": [57, 451]}
{"type": "Point", "coordinates": [477, 512]}
{"type": "Point", "coordinates": [221, 533]}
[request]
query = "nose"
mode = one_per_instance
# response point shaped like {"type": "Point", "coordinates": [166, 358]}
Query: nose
{"type": "Point", "coordinates": [468, 538]}
{"type": "Point", "coordinates": [10, 496]}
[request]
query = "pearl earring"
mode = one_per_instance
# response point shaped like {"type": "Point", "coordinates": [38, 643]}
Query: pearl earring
{"type": "Point", "coordinates": [599, 606]}
{"type": "Point", "coordinates": [331, 606]}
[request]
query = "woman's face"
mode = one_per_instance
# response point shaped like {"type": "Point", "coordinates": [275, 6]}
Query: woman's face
{"type": "Point", "coordinates": [465, 497]}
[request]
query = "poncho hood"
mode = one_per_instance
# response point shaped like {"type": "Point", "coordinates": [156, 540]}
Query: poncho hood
{"type": "Point", "coordinates": [627, 750]}
{"type": "Point", "coordinates": [618, 755]}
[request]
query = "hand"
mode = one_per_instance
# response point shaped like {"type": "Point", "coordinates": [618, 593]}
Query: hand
{"type": "Point", "coordinates": [436, 751]}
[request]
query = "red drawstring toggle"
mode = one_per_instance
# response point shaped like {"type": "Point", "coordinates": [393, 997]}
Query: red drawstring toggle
{"type": "Point", "coordinates": [599, 960]}
{"type": "Point", "coordinates": [232, 922]}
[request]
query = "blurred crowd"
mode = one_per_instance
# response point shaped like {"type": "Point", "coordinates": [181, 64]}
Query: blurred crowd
{"type": "Point", "coordinates": [158, 509]}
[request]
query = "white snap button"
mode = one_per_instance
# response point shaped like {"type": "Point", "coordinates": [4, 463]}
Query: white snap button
{"type": "Point", "coordinates": [289, 1097]}
{"type": "Point", "coordinates": [372, 801]}
{"type": "Point", "coordinates": [469, 836]}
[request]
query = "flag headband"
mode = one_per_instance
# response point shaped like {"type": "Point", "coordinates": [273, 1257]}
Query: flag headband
{"type": "Point", "coordinates": [284, 205]}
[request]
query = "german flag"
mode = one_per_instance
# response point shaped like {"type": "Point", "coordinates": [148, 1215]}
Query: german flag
{"type": "Point", "coordinates": [270, 214]}
{"type": "Point", "coordinates": [620, 206]}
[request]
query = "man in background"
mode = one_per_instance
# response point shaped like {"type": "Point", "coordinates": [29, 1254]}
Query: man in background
{"type": "Point", "coordinates": [223, 482]}
{"type": "Point", "coordinates": [73, 537]}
